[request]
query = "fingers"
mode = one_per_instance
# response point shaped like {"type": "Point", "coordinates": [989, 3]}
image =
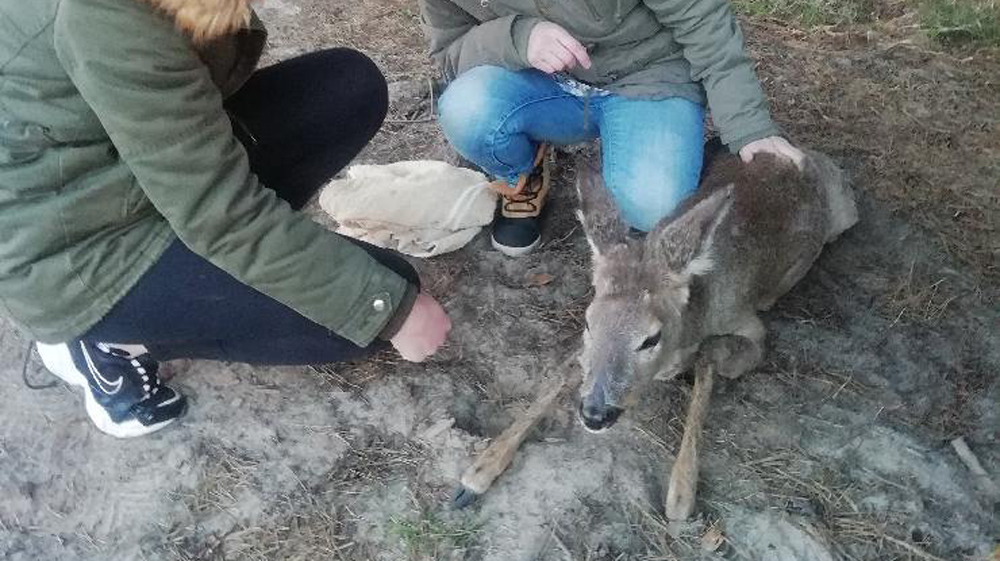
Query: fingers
{"type": "Point", "coordinates": [549, 60]}
{"type": "Point", "coordinates": [783, 149]}
{"type": "Point", "coordinates": [575, 49]}
{"type": "Point", "coordinates": [795, 155]}
{"type": "Point", "coordinates": [775, 145]}
{"type": "Point", "coordinates": [565, 57]}
{"type": "Point", "coordinates": [555, 60]}
{"type": "Point", "coordinates": [545, 66]}
{"type": "Point", "coordinates": [552, 49]}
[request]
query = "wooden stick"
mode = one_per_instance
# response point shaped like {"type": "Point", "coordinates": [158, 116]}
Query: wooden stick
{"type": "Point", "coordinates": [684, 475]}
{"type": "Point", "coordinates": [495, 459]}
{"type": "Point", "coordinates": [972, 462]}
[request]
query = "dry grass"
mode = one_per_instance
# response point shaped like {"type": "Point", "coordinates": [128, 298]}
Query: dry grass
{"type": "Point", "coordinates": [298, 527]}
{"type": "Point", "coordinates": [809, 13]}
{"type": "Point", "coordinates": [374, 461]}
{"type": "Point", "coordinates": [918, 298]}
{"type": "Point", "coordinates": [796, 371]}
{"type": "Point", "coordinates": [426, 536]}
{"type": "Point", "coordinates": [950, 22]}
{"type": "Point", "coordinates": [962, 21]}
{"type": "Point", "coordinates": [825, 496]}
{"type": "Point", "coordinates": [356, 376]}
{"type": "Point", "coordinates": [563, 319]}
{"type": "Point", "coordinates": [802, 485]}
{"type": "Point", "coordinates": [304, 531]}
{"type": "Point", "coordinates": [663, 540]}
{"type": "Point", "coordinates": [955, 414]}
{"type": "Point", "coordinates": [873, 537]}
{"type": "Point", "coordinates": [915, 127]}
{"type": "Point", "coordinates": [227, 473]}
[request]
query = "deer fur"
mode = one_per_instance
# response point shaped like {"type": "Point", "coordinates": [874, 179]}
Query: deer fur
{"type": "Point", "coordinates": [689, 292]}
{"type": "Point", "coordinates": [698, 281]}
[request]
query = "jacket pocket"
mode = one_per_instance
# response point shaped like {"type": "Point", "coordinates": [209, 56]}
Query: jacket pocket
{"type": "Point", "coordinates": [22, 142]}
{"type": "Point", "coordinates": [133, 198]}
{"type": "Point", "coordinates": [136, 201]}
{"type": "Point", "coordinates": [29, 165]}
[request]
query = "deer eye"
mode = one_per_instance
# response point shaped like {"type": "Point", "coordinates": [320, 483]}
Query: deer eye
{"type": "Point", "coordinates": [650, 341]}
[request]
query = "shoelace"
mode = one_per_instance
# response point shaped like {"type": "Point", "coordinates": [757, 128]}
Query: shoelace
{"type": "Point", "coordinates": [528, 197]}
{"type": "Point", "coordinates": [147, 369]}
{"type": "Point", "coordinates": [156, 405]}
{"type": "Point", "coordinates": [24, 372]}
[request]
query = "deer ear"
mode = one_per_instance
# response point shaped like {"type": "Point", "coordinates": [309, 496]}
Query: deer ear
{"type": "Point", "coordinates": [683, 246]}
{"type": "Point", "coordinates": [602, 224]}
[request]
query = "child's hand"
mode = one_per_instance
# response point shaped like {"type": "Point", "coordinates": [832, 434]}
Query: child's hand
{"type": "Point", "coordinates": [424, 330]}
{"type": "Point", "coordinates": [776, 145]}
{"type": "Point", "coordinates": [552, 49]}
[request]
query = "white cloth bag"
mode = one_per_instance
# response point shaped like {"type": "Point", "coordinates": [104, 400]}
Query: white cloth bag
{"type": "Point", "coordinates": [421, 208]}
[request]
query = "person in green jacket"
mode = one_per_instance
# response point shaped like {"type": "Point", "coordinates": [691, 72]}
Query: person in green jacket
{"type": "Point", "coordinates": [635, 73]}
{"type": "Point", "coordinates": [149, 185]}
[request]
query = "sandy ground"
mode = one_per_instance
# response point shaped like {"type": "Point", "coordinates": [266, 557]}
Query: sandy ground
{"type": "Point", "coordinates": [837, 447]}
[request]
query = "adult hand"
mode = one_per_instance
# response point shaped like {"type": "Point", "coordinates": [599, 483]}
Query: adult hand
{"type": "Point", "coordinates": [552, 49]}
{"type": "Point", "coordinates": [424, 330]}
{"type": "Point", "coordinates": [776, 145]}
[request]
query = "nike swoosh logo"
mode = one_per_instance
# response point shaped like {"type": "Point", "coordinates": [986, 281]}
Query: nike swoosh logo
{"type": "Point", "coordinates": [105, 385]}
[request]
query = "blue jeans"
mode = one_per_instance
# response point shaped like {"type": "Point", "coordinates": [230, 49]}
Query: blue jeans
{"type": "Point", "coordinates": [652, 149]}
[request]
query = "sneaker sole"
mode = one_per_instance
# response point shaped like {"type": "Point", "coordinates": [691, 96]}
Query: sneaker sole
{"type": "Point", "coordinates": [58, 361]}
{"type": "Point", "coordinates": [515, 251]}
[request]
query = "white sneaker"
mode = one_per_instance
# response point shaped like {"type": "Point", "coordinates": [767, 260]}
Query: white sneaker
{"type": "Point", "coordinates": [123, 394]}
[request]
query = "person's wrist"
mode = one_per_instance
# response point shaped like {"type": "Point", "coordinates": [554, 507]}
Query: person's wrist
{"type": "Point", "coordinates": [400, 314]}
{"type": "Point", "coordinates": [521, 31]}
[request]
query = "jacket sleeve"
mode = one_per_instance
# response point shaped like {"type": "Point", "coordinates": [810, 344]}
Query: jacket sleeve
{"type": "Point", "coordinates": [459, 42]}
{"type": "Point", "coordinates": [164, 115]}
{"type": "Point", "coordinates": [713, 44]}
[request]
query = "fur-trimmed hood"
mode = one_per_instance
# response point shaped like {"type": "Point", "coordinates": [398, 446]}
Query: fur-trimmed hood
{"type": "Point", "coordinates": [205, 20]}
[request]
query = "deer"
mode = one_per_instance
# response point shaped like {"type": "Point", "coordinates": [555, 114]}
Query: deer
{"type": "Point", "coordinates": [687, 295]}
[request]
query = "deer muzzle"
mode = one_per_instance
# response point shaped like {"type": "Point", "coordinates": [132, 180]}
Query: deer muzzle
{"type": "Point", "coordinates": [595, 413]}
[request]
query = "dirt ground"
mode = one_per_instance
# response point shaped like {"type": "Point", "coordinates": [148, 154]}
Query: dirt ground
{"type": "Point", "coordinates": [837, 447]}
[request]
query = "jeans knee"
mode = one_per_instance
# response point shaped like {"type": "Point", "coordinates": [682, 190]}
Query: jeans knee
{"type": "Point", "coordinates": [466, 110]}
{"type": "Point", "coordinates": [646, 196]}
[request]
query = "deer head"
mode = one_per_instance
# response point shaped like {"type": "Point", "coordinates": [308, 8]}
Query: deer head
{"type": "Point", "coordinates": [635, 322]}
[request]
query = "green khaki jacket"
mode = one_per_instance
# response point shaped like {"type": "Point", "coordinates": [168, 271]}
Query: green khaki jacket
{"type": "Point", "coordinates": [640, 48]}
{"type": "Point", "coordinates": [114, 143]}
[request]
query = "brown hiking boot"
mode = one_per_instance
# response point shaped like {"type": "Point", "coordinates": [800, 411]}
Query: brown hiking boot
{"type": "Point", "coordinates": [517, 228]}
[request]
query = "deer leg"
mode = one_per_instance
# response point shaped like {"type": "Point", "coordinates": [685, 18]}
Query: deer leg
{"type": "Point", "coordinates": [684, 475]}
{"type": "Point", "coordinates": [794, 273]}
{"type": "Point", "coordinates": [737, 353]}
{"type": "Point", "coordinates": [500, 453]}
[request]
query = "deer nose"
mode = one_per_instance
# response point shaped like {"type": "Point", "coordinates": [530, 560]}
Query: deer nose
{"type": "Point", "coordinates": [598, 416]}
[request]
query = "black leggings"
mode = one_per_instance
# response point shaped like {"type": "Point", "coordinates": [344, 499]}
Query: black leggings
{"type": "Point", "coordinates": [301, 121]}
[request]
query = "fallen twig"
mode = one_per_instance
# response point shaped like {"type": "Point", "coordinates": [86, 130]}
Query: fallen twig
{"type": "Point", "coordinates": [972, 462]}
